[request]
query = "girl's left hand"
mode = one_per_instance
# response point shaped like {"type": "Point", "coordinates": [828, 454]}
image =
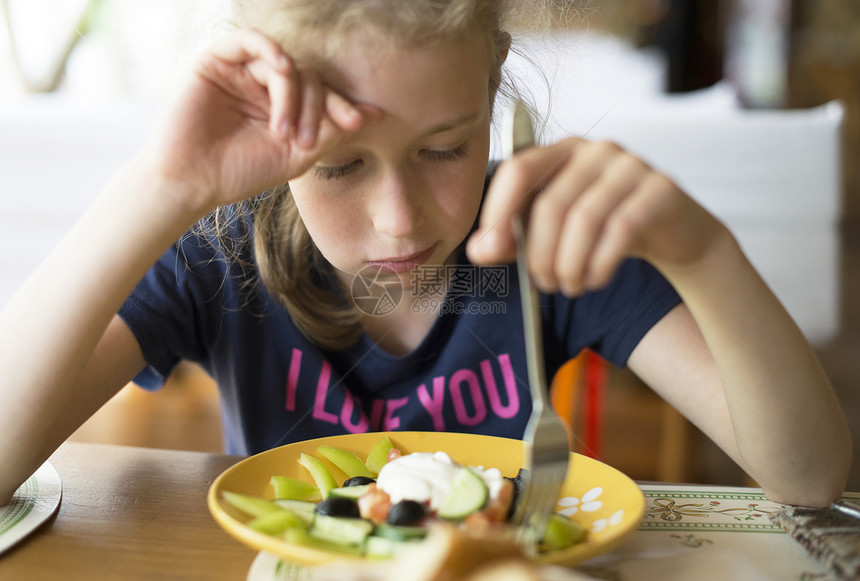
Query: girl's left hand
{"type": "Point", "coordinates": [591, 204]}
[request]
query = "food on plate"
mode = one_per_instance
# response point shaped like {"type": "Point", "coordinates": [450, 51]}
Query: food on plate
{"type": "Point", "coordinates": [323, 478]}
{"type": "Point", "coordinates": [347, 461]}
{"type": "Point", "coordinates": [388, 502]}
{"type": "Point", "coordinates": [450, 491]}
{"type": "Point", "coordinates": [286, 487]}
{"type": "Point", "coordinates": [378, 455]}
{"type": "Point", "coordinates": [449, 552]}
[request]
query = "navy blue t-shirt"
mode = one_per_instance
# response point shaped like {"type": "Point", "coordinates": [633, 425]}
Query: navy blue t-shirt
{"type": "Point", "coordinates": [468, 375]}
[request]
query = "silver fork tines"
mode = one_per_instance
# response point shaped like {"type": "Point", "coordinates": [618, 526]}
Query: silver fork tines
{"type": "Point", "coordinates": [546, 448]}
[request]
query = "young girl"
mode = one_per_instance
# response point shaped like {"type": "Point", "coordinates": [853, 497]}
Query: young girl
{"type": "Point", "coordinates": [366, 126]}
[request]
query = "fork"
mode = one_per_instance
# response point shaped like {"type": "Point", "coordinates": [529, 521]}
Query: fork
{"type": "Point", "coordinates": [546, 447]}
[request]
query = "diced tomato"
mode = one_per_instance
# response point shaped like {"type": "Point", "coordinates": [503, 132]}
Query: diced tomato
{"type": "Point", "coordinates": [498, 506]}
{"type": "Point", "coordinates": [394, 454]}
{"type": "Point", "coordinates": [374, 505]}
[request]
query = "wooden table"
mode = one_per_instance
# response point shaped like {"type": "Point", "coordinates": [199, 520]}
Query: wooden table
{"type": "Point", "coordinates": [131, 513]}
{"type": "Point", "coordinates": [139, 513]}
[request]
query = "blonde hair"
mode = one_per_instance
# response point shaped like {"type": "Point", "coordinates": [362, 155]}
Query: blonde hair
{"type": "Point", "coordinates": [312, 31]}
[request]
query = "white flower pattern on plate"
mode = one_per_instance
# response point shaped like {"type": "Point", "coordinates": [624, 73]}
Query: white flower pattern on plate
{"type": "Point", "coordinates": [589, 502]}
{"type": "Point", "coordinates": [601, 523]}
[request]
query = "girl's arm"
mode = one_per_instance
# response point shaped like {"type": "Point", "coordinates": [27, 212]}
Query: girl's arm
{"type": "Point", "coordinates": [730, 358]}
{"type": "Point", "coordinates": [53, 376]}
{"type": "Point", "coordinates": [248, 120]}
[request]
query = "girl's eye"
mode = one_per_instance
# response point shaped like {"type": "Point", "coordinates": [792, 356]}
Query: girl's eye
{"type": "Point", "coordinates": [332, 172]}
{"type": "Point", "coordinates": [337, 171]}
{"type": "Point", "coordinates": [446, 154]}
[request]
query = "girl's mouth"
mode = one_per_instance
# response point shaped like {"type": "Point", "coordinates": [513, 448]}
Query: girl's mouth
{"type": "Point", "coordinates": [405, 263]}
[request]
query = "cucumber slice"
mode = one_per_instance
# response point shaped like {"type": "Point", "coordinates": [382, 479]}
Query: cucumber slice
{"type": "Point", "coordinates": [286, 487]}
{"type": "Point", "coordinates": [275, 523]}
{"type": "Point", "coordinates": [343, 531]}
{"type": "Point", "coordinates": [323, 478]}
{"type": "Point", "coordinates": [468, 494]}
{"type": "Point", "coordinates": [381, 548]}
{"type": "Point", "coordinates": [302, 508]}
{"type": "Point", "coordinates": [250, 505]}
{"type": "Point", "coordinates": [347, 461]}
{"type": "Point", "coordinates": [561, 532]}
{"type": "Point", "coordinates": [399, 533]}
{"type": "Point", "coordinates": [378, 456]}
{"type": "Point", "coordinates": [353, 492]}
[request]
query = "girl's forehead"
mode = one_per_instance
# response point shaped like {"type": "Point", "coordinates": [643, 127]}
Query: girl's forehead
{"type": "Point", "coordinates": [428, 77]}
{"type": "Point", "coordinates": [378, 45]}
{"type": "Point", "coordinates": [367, 55]}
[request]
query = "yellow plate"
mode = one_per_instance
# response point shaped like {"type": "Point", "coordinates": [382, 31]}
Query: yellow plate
{"type": "Point", "coordinates": [602, 499]}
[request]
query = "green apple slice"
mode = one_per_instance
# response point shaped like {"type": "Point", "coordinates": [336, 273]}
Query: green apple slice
{"type": "Point", "coordinates": [303, 537]}
{"type": "Point", "coordinates": [378, 455]}
{"type": "Point", "coordinates": [562, 532]}
{"type": "Point", "coordinates": [323, 478]}
{"type": "Point", "coordinates": [275, 523]}
{"type": "Point", "coordinates": [304, 508]}
{"type": "Point", "coordinates": [353, 492]}
{"type": "Point", "coordinates": [250, 505]}
{"type": "Point", "coordinates": [285, 487]}
{"type": "Point", "coordinates": [347, 461]}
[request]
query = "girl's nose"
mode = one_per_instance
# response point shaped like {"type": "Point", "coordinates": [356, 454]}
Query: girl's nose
{"type": "Point", "coordinates": [395, 210]}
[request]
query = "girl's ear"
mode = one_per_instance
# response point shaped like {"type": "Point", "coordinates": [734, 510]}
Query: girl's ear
{"type": "Point", "coordinates": [503, 46]}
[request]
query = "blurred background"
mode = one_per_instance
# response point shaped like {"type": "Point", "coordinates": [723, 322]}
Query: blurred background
{"type": "Point", "coordinates": [752, 105]}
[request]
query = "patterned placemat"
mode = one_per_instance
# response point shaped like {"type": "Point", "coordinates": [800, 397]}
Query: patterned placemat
{"type": "Point", "coordinates": [33, 503]}
{"type": "Point", "coordinates": [688, 509]}
{"type": "Point", "coordinates": [709, 533]}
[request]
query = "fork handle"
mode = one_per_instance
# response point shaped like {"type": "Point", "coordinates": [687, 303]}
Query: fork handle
{"type": "Point", "coordinates": [531, 321]}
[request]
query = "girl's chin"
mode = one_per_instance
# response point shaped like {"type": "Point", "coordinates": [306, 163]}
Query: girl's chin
{"type": "Point", "coordinates": [381, 276]}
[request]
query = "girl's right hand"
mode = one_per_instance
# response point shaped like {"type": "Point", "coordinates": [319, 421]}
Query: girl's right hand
{"type": "Point", "coordinates": [248, 120]}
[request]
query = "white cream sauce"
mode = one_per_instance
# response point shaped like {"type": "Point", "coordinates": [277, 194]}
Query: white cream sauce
{"type": "Point", "coordinates": [428, 477]}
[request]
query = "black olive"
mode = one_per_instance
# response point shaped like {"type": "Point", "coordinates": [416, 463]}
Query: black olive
{"type": "Point", "coordinates": [522, 476]}
{"type": "Point", "coordinates": [515, 493]}
{"type": "Point", "coordinates": [519, 481]}
{"type": "Point", "coordinates": [338, 506]}
{"type": "Point", "coordinates": [358, 481]}
{"type": "Point", "coordinates": [406, 513]}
